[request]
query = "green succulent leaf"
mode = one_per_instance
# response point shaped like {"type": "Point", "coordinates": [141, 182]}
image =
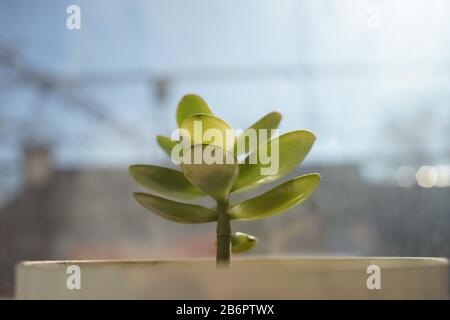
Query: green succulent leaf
{"type": "Point", "coordinates": [219, 131]}
{"type": "Point", "coordinates": [242, 242]}
{"type": "Point", "coordinates": [176, 211]}
{"type": "Point", "coordinates": [293, 148]}
{"type": "Point", "coordinates": [191, 104]}
{"type": "Point", "coordinates": [211, 169]}
{"type": "Point", "coordinates": [277, 200]}
{"type": "Point", "coordinates": [166, 144]}
{"type": "Point", "coordinates": [165, 181]}
{"type": "Point", "coordinates": [268, 122]}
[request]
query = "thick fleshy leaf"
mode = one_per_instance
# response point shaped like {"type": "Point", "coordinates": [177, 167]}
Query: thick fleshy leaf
{"type": "Point", "coordinates": [165, 181]}
{"type": "Point", "coordinates": [166, 144]}
{"type": "Point", "coordinates": [208, 129]}
{"type": "Point", "coordinates": [293, 147]}
{"type": "Point", "coordinates": [268, 122]}
{"type": "Point", "coordinates": [242, 242]}
{"type": "Point", "coordinates": [191, 104]}
{"type": "Point", "coordinates": [211, 169]}
{"type": "Point", "coordinates": [176, 211]}
{"type": "Point", "coordinates": [277, 200]}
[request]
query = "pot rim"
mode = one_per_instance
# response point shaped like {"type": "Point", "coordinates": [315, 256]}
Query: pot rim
{"type": "Point", "coordinates": [391, 262]}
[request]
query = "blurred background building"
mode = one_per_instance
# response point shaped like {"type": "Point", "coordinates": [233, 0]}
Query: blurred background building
{"type": "Point", "coordinates": [369, 77]}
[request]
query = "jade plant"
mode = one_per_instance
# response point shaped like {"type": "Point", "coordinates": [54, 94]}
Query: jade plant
{"type": "Point", "coordinates": [236, 163]}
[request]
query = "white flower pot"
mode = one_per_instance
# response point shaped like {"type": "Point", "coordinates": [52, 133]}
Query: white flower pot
{"type": "Point", "coordinates": [302, 278]}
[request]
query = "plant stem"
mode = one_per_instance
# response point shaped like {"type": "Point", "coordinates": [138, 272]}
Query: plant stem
{"type": "Point", "coordinates": [223, 235]}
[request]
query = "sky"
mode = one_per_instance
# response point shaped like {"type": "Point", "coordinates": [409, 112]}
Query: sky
{"type": "Point", "coordinates": [344, 69]}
